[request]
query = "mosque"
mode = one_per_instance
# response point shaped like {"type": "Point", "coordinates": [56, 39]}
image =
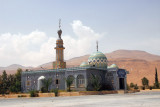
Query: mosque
{"type": "Point", "coordinates": [110, 77]}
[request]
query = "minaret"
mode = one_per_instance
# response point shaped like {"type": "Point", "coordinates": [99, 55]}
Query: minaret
{"type": "Point", "coordinates": [59, 63]}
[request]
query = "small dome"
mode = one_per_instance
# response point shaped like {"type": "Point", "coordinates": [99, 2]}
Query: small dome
{"type": "Point", "coordinates": [84, 64]}
{"type": "Point", "coordinates": [113, 66]}
{"type": "Point", "coordinates": [98, 59]}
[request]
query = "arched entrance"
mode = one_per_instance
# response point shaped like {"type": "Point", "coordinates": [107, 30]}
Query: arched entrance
{"type": "Point", "coordinates": [40, 85]}
{"type": "Point", "coordinates": [80, 81]}
{"type": "Point", "coordinates": [72, 78]}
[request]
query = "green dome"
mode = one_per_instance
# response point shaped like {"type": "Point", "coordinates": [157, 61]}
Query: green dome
{"type": "Point", "coordinates": [113, 66]}
{"type": "Point", "coordinates": [84, 64]}
{"type": "Point", "coordinates": [98, 59]}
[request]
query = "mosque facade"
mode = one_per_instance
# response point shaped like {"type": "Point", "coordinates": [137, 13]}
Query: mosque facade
{"type": "Point", "coordinates": [109, 77]}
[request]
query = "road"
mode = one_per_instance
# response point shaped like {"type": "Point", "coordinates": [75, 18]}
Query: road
{"type": "Point", "coordinates": [140, 99]}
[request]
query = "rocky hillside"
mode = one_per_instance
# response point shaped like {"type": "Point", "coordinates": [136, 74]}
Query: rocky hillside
{"type": "Point", "coordinates": [133, 54]}
{"type": "Point", "coordinates": [13, 68]}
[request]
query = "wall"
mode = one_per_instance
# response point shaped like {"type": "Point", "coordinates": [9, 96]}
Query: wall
{"type": "Point", "coordinates": [33, 79]}
{"type": "Point", "coordinates": [99, 73]}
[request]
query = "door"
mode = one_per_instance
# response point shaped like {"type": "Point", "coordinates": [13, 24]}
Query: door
{"type": "Point", "coordinates": [121, 83]}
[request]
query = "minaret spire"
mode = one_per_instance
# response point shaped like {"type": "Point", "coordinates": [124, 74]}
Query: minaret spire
{"type": "Point", "coordinates": [59, 31]}
{"type": "Point", "coordinates": [59, 23]}
{"type": "Point", "coordinates": [97, 45]}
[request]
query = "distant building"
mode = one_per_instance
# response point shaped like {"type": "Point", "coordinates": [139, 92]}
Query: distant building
{"type": "Point", "coordinates": [110, 77]}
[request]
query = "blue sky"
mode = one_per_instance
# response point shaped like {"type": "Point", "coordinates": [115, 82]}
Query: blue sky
{"type": "Point", "coordinates": [119, 24]}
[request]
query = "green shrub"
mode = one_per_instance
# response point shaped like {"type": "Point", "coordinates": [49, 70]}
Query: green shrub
{"type": "Point", "coordinates": [13, 89]}
{"type": "Point", "coordinates": [145, 82]}
{"type": "Point", "coordinates": [52, 90]}
{"type": "Point", "coordinates": [33, 93]}
{"type": "Point", "coordinates": [150, 87]}
{"type": "Point", "coordinates": [143, 88]}
{"type": "Point", "coordinates": [131, 85]}
{"type": "Point", "coordinates": [95, 82]}
{"type": "Point", "coordinates": [43, 90]}
{"type": "Point", "coordinates": [156, 86]}
{"type": "Point", "coordinates": [46, 84]}
{"type": "Point", "coordinates": [56, 91]}
{"type": "Point", "coordinates": [22, 96]}
{"type": "Point", "coordinates": [136, 86]}
{"type": "Point", "coordinates": [128, 88]}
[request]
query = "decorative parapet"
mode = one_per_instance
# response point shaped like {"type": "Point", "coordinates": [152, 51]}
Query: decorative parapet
{"type": "Point", "coordinates": [62, 70]}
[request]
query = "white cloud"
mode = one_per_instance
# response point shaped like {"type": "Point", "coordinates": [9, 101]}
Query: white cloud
{"type": "Point", "coordinates": [22, 49]}
{"type": "Point", "coordinates": [84, 42]}
{"type": "Point", "coordinates": [37, 48]}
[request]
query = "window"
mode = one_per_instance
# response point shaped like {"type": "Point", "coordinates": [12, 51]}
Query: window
{"type": "Point", "coordinates": [28, 83]}
{"type": "Point", "coordinates": [57, 81]}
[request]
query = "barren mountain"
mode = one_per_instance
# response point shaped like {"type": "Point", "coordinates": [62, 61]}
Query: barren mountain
{"type": "Point", "coordinates": [139, 64]}
{"type": "Point", "coordinates": [11, 69]}
{"type": "Point", "coordinates": [133, 54]}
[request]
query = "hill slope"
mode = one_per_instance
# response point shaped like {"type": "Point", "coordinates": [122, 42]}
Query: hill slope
{"type": "Point", "coordinates": [11, 69]}
{"type": "Point", "coordinates": [133, 54]}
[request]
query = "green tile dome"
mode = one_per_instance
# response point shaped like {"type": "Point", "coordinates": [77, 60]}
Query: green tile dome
{"type": "Point", "coordinates": [84, 64]}
{"type": "Point", "coordinates": [98, 59]}
{"type": "Point", "coordinates": [113, 66]}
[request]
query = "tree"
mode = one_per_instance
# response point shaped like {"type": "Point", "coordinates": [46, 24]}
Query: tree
{"type": "Point", "coordinates": [18, 79]}
{"type": "Point", "coordinates": [11, 83]}
{"type": "Point", "coordinates": [145, 81]}
{"type": "Point", "coordinates": [96, 82]}
{"type": "Point", "coordinates": [0, 79]}
{"type": "Point", "coordinates": [15, 81]}
{"type": "Point", "coordinates": [4, 84]}
{"type": "Point", "coordinates": [0, 84]}
{"type": "Point", "coordinates": [69, 82]}
{"type": "Point", "coordinates": [156, 84]}
{"type": "Point", "coordinates": [46, 83]}
{"type": "Point", "coordinates": [4, 76]}
{"type": "Point", "coordinates": [18, 74]}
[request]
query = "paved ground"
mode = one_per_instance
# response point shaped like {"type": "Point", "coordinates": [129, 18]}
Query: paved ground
{"type": "Point", "coordinates": [140, 99]}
